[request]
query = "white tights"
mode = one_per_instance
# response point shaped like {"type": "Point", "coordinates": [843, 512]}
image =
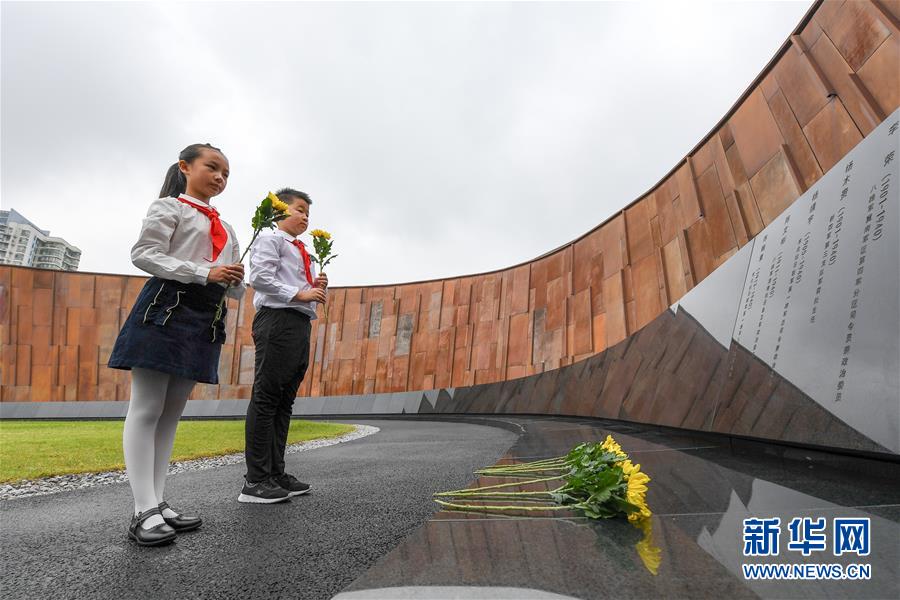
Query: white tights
{"type": "Point", "coordinates": [157, 401]}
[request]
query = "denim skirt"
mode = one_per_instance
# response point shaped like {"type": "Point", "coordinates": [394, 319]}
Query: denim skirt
{"type": "Point", "coordinates": [170, 329]}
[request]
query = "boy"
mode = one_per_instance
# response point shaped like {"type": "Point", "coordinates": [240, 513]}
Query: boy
{"type": "Point", "coordinates": [285, 298]}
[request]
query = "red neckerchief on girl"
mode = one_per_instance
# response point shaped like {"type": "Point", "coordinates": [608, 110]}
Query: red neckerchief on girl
{"type": "Point", "coordinates": [216, 229]}
{"type": "Point", "coordinates": [306, 261]}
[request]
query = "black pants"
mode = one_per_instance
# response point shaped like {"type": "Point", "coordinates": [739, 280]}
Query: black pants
{"type": "Point", "coordinates": [281, 336]}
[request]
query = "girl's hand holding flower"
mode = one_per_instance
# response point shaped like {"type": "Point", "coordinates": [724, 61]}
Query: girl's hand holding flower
{"type": "Point", "coordinates": [321, 281]}
{"type": "Point", "coordinates": [227, 274]}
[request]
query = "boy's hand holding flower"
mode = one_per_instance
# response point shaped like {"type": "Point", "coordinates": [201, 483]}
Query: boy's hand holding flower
{"type": "Point", "coordinates": [315, 294]}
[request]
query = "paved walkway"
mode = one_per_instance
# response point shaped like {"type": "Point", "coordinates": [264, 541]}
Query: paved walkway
{"type": "Point", "coordinates": [368, 495]}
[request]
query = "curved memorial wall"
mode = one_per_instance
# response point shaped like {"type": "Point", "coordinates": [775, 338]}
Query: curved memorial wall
{"type": "Point", "coordinates": [723, 300]}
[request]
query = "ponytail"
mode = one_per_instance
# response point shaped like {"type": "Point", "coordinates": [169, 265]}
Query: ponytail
{"type": "Point", "coordinates": [175, 182]}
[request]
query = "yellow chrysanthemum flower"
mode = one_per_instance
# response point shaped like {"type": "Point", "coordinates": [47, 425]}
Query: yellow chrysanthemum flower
{"type": "Point", "coordinates": [636, 493]}
{"type": "Point", "coordinates": [320, 233]}
{"type": "Point", "coordinates": [637, 488]}
{"type": "Point", "coordinates": [278, 205]}
{"type": "Point", "coordinates": [610, 445]}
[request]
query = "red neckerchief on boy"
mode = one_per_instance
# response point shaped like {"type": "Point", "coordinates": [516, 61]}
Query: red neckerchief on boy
{"type": "Point", "coordinates": [306, 261]}
{"type": "Point", "coordinates": [216, 229]}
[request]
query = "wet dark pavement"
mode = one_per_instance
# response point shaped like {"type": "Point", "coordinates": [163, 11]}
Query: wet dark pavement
{"type": "Point", "coordinates": [367, 496]}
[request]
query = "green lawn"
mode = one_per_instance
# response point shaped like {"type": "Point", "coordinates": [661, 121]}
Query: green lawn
{"type": "Point", "coordinates": [32, 449]}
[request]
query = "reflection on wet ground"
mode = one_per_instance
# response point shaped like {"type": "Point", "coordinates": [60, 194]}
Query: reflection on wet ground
{"type": "Point", "coordinates": [702, 489]}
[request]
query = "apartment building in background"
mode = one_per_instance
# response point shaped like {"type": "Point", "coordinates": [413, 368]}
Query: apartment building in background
{"type": "Point", "coordinates": [25, 244]}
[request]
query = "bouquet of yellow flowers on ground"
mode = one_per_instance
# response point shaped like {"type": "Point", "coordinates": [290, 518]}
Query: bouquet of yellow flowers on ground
{"type": "Point", "coordinates": [598, 479]}
{"type": "Point", "coordinates": [270, 211]}
{"type": "Point", "coordinates": [322, 245]}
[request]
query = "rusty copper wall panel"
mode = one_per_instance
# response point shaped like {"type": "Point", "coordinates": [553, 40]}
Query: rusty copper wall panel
{"type": "Point", "coordinates": [800, 151]}
{"type": "Point", "coordinates": [756, 133]}
{"type": "Point", "coordinates": [837, 71]}
{"type": "Point", "coordinates": [879, 75]}
{"type": "Point", "coordinates": [832, 133]}
{"type": "Point", "coordinates": [774, 187]}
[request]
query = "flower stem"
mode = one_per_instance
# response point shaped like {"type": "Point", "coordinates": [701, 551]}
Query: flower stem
{"type": "Point", "coordinates": [548, 463]}
{"type": "Point", "coordinates": [514, 472]}
{"type": "Point", "coordinates": [506, 498]}
{"type": "Point", "coordinates": [506, 507]}
{"type": "Point", "coordinates": [501, 485]}
{"type": "Point", "coordinates": [556, 459]}
{"type": "Point", "coordinates": [474, 493]}
{"type": "Point", "coordinates": [220, 307]}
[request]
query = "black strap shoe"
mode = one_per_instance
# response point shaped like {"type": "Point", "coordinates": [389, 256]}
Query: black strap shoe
{"type": "Point", "coordinates": [180, 523]}
{"type": "Point", "coordinates": [155, 536]}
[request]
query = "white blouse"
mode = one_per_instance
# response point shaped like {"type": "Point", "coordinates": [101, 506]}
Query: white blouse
{"type": "Point", "coordinates": [175, 243]}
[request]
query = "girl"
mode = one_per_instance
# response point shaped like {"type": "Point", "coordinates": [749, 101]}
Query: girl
{"type": "Point", "coordinates": [170, 340]}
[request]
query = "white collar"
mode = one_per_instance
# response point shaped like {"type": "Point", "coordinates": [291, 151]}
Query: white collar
{"type": "Point", "coordinates": [285, 235]}
{"type": "Point", "coordinates": [193, 200]}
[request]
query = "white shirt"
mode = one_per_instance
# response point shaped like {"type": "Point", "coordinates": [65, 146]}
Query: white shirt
{"type": "Point", "coordinates": [175, 243]}
{"type": "Point", "coordinates": [277, 273]}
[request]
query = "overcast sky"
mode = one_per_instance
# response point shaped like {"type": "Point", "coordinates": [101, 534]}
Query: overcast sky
{"type": "Point", "coordinates": [435, 139]}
